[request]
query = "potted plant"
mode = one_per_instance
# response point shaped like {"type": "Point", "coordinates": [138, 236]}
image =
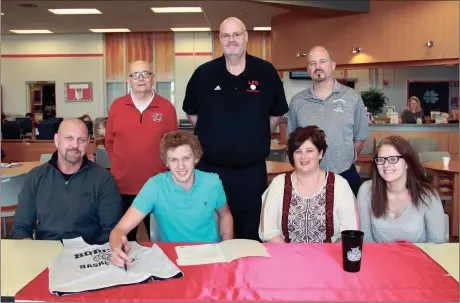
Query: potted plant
{"type": "Point", "coordinates": [374, 100]}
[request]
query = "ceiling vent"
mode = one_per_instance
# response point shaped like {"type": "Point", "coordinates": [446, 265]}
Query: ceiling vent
{"type": "Point", "coordinates": [27, 5]}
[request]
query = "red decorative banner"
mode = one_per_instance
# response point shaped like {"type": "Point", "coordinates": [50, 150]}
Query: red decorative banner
{"type": "Point", "coordinates": [78, 92]}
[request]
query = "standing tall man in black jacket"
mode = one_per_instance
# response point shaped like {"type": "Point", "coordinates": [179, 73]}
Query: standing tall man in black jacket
{"type": "Point", "coordinates": [69, 196]}
{"type": "Point", "coordinates": [235, 102]}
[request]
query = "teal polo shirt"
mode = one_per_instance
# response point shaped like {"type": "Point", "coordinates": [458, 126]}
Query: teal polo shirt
{"type": "Point", "coordinates": [183, 216]}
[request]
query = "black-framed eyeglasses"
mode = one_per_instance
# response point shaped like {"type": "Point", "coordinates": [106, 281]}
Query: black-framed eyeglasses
{"type": "Point", "coordinates": [390, 159]}
{"type": "Point", "coordinates": [144, 74]}
{"type": "Point", "coordinates": [234, 35]}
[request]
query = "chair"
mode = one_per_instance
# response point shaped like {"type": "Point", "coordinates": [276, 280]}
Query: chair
{"type": "Point", "coordinates": [421, 145]}
{"type": "Point", "coordinates": [277, 155]}
{"type": "Point", "coordinates": [11, 186]}
{"type": "Point", "coordinates": [102, 158]}
{"type": "Point", "coordinates": [154, 230]}
{"type": "Point", "coordinates": [447, 227]}
{"type": "Point", "coordinates": [437, 157]}
{"type": "Point", "coordinates": [368, 147]}
{"type": "Point", "coordinates": [45, 157]}
{"type": "Point", "coordinates": [433, 156]}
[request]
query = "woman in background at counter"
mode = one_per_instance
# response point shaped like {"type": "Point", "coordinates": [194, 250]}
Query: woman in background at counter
{"type": "Point", "coordinates": [413, 112]}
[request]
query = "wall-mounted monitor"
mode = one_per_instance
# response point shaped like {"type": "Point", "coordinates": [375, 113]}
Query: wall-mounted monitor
{"type": "Point", "coordinates": [299, 75]}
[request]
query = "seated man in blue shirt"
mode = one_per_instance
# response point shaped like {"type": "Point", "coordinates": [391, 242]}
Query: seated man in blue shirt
{"type": "Point", "coordinates": [183, 200]}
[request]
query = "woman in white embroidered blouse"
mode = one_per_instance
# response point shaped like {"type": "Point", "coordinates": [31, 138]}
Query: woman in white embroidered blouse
{"type": "Point", "coordinates": [308, 205]}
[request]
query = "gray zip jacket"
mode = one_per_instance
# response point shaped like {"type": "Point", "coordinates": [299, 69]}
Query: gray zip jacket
{"type": "Point", "coordinates": [87, 205]}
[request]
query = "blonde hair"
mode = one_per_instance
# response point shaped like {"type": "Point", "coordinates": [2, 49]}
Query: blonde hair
{"type": "Point", "coordinates": [419, 106]}
{"type": "Point", "coordinates": [178, 138]}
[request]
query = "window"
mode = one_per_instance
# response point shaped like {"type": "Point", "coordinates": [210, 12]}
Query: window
{"type": "Point", "coordinates": [166, 90]}
{"type": "Point", "coordinates": [114, 90]}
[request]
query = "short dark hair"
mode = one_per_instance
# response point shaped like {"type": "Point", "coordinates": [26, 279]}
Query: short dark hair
{"type": "Point", "coordinates": [84, 117]}
{"type": "Point", "coordinates": [303, 134]}
{"type": "Point", "coordinates": [418, 184]}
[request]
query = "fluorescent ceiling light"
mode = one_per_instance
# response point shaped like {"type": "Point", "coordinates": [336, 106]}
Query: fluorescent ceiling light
{"type": "Point", "coordinates": [75, 11]}
{"type": "Point", "coordinates": [31, 31]}
{"type": "Point", "coordinates": [109, 30]}
{"type": "Point", "coordinates": [261, 28]}
{"type": "Point", "coordinates": [177, 9]}
{"type": "Point", "coordinates": [191, 29]}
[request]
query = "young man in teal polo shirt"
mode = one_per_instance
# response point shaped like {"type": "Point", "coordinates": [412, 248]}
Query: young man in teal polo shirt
{"type": "Point", "coordinates": [183, 200]}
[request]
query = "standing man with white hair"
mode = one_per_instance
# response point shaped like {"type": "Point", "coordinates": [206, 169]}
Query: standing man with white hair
{"type": "Point", "coordinates": [336, 109]}
{"type": "Point", "coordinates": [235, 102]}
{"type": "Point", "coordinates": [135, 126]}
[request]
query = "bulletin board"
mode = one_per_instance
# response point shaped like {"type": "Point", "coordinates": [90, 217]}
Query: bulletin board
{"type": "Point", "coordinates": [435, 95]}
{"type": "Point", "coordinates": [78, 92]}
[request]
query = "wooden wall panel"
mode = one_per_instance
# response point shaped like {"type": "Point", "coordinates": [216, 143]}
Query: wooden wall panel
{"type": "Point", "coordinates": [114, 64]}
{"type": "Point", "coordinates": [268, 51]}
{"type": "Point", "coordinates": [394, 31]}
{"type": "Point", "coordinates": [217, 47]}
{"type": "Point", "coordinates": [139, 46]}
{"type": "Point", "coordinates": [268, 46]}
{"type": "Point", "coordinates": [164, 56]}
{"type": "Point", "coordinates": [453, 143]}
{"type": "Point", "coordinates": [255, 44]}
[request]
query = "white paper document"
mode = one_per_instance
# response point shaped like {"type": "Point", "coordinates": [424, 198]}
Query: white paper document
{"type": "Point", "coordinates": [223, 252]}
{"type": "Point", "coordinates": [10, 165]}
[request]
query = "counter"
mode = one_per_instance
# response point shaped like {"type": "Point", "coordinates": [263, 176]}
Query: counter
{"type": "Point", "coordinates": [445, 134]}
{"type": "Point", "coordinates": [415, 127]}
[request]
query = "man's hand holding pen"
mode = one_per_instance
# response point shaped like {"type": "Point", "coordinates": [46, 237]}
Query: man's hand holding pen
{"type": "Point", "coordinates": [120, 256]}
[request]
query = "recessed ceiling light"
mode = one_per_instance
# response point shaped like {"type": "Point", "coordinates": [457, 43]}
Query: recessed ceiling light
{"type": "Point", "coordinates": [177, 9]}
{"type": "Point", "coordinates": [261, 28]}
{"type": "Point", "coordinates": [31, 31]}
{"type": "Point", "coordinates": [191, 29]}
{"type": "Point", "coordinates": [2, 14]}
{"type": "Point", "coordinates": [109, 30]}
{"type": "Point", "coordinates": [75, 11]}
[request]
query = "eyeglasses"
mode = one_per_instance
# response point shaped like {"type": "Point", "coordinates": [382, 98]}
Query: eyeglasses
{"type": "Point", "coordinates": [144, 74]}
{"type": "Point", "coordinates": [235, 36]}
{"type": "Point", "coordinates": [390, 159]}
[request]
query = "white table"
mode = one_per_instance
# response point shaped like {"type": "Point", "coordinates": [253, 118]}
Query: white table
{"type": "Point", "coordinates": [23, 260]}
{"type": "Point", "coordinates": [447, 255]}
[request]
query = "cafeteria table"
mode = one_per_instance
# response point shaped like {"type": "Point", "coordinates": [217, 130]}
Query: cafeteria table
{"type": "Point", "coordinates": [294, 272]}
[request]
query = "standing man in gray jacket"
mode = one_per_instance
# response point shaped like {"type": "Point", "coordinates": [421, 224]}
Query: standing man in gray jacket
{"type": "Point", "coordinates": [69, 196]}
{"type": "Point", "coordinates": [338, 110]}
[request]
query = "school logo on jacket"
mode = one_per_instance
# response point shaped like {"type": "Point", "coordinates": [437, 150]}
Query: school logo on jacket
{"type": "Point", "coordinates": [157, 117]}
{"type": "Point", "coordinates": [338, 105]}
{"type": "Point", "coordinates": [253, 86]}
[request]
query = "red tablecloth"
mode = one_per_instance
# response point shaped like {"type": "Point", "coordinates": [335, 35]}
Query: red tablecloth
{"type": "Point", "coordinates": [294, 272]}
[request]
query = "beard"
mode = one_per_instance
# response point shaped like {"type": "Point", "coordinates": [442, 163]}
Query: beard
{"type": "Point", "coordinates": [235, 52]}
{"type": "Point", "coordinates": [73, 159]}
{"type": "Point", "coordinates": [319, 77]}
